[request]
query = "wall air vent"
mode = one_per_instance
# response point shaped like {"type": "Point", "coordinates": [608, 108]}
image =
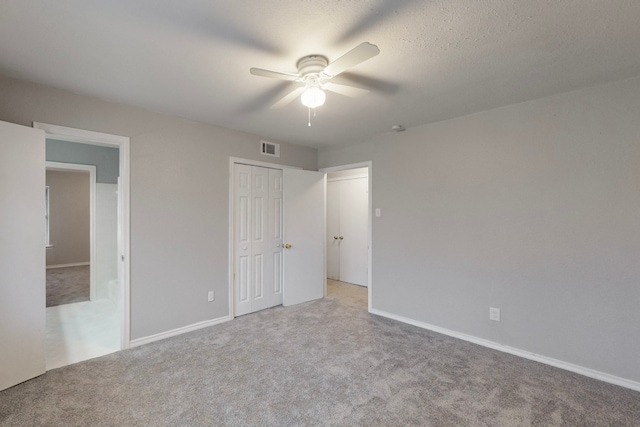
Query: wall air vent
{"type": "Point", "coordinates": [270, 148]}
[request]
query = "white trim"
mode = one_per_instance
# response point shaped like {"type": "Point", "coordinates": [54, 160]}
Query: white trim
{"type": "Point", "coordinates": [123, 144]}
{"type": "Point", "coordinates": [242, 161]}
{"type": "Point", "coordinates": [47, 211]}
{"type": "Point", "coordinates": [73, 264]}
{"type": "Point", "coordinates": [346, 178]}
{"type": "Point", "coordinates": [178, 331]}
{"type": "Point", "coordinates": [587, 372]}
{"type": "Point", "coordinates": [369, 166]}
{"type": "Point", "coordinates": [60, 166]}
{"type": "Point", "coordinates": [81, 136]}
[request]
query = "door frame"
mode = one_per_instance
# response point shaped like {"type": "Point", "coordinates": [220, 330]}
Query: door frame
{"type": "Point", "coordinates": [61, 166]}
{"type": "Point", "coordinates": [369, 166]}
{"type": "Point", "coordinates": [123, 144]}
{"type": "Point", "coordinates": [232, 162]}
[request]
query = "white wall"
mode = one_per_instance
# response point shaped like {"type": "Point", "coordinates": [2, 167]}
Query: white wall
{"type": "Point", "coordinates": [532, 208]}
{"type": "Point", "coordinates": [179, 198]}
{"type": "Point", "coordinates": [69, 217]}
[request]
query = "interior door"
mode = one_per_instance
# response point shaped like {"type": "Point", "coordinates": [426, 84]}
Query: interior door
{"type": "Point", "coordinates": [354, 225]}
{"type": "Point", "coordinates": [333, 230]}
{"type": "Point", "coordinates": [304, 235]}
{"type": "Point", "coordinates": [22, 254]}
{"type": "Point", "coordinates": [257, 238]}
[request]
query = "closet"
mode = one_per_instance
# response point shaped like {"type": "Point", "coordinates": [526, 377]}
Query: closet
{"type": "Point", "coordinates": [347, 226]}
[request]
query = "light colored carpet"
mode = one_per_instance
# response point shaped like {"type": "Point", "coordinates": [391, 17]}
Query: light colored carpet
{"type": "Point", "coordinates": [321, 363]}
{"type": "Point", "coordinates": [347, 294]}
{"type": "Point", "coordinates": [67, 285]}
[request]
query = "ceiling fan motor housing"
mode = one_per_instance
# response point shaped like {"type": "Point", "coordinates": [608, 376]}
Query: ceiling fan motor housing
{"type": "Point", "coordinates": [312, 64]}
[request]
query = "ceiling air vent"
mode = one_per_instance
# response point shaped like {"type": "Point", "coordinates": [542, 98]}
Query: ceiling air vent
{"type": "Point", "coordinates": [270, 148]}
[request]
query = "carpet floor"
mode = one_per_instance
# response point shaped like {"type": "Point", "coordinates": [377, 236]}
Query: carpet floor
{"type": "Point", "coordinates": [323, 363]}
{"type": "Point", "coordinates": [67, 285]}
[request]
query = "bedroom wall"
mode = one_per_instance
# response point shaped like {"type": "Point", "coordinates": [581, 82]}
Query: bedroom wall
{"type": "Point", "coordinates": [69, 216]}
{"type": "Point", "coordinates": [179, 198]}
{"type": "Point", "coordinates": [532, 208]}
{"type": "Point", "coordinates": [105, 159]}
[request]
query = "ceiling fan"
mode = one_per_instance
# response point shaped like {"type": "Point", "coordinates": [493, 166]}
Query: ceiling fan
{"type": "Point", "coordinates": [315, 73]}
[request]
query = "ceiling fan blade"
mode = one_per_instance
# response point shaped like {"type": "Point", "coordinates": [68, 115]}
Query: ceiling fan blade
{"type": "Point", "coordinates": [273, 74]}
{"type": "Point", "coordinates": [353, 92]}
{"type": "Point", "coordinates": [381, 86]}
{"type": "Point", "coordinates": [355, 56]}
{"type": "Point", "coordinates": [288, 98]}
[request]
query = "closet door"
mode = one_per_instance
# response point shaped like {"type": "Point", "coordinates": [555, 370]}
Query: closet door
{"type": "Point", "coordinates": [260, 255]}
{"type": "Point", "coordinates": [275, 234]}
{"type": "Point", "coordinates": [333, 230]}
{"type": "Point", "coordinates": [354, 221]}
{"type": "Point", "coordinates": [242, 231]}
{"type": "Point", "coordinates": [257, 238]}
{"type": "Point", "coordinates": [304, 268]}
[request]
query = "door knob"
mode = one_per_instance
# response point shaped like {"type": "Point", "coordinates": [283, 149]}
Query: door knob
{"type": "Point", "coordinates": [341, 237]}
{"type": "Point", "coordinates": [335, 237]}
{"type": "Point", "coordinates": [287, 246]}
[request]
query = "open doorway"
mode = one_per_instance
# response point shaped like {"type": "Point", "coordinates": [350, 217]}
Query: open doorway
{"type": "Point", "coordinates": [69, 233]}
{"type": "Point", "coordinates": [348, 241]}
{"type": "Point", "coordinates": [88, 318]}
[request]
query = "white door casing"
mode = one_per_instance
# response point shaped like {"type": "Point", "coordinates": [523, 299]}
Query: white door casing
{"type": "Point", "coordinates": [122, 143]}
{"type": "Point", "coordinates": [304, 269]}
{"type": "Point", "coordinates": [22, 254]}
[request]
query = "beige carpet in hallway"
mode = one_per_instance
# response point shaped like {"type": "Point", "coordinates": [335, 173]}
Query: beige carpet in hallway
{"type": "Point", "coordinates": [67, 285]}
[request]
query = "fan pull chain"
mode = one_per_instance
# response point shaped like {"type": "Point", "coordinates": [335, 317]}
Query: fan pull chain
{"type": "Point", "coordinates": [314, 114]}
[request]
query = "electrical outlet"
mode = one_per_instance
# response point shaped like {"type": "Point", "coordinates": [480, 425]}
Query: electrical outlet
{"type": "Point", "coordinates": [211, 296]}
{"type": "Point", "coordinates": [378, 213]}
{"type": "Point", "coordinates": [494, 314]}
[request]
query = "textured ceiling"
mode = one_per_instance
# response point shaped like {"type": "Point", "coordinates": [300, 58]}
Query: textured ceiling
{"type": "Point", "coordinates": [438, 60]}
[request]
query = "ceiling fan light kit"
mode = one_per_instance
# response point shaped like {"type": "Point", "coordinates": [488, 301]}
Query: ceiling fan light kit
{"type": "Point", "coordinates": [313, 97]}
{"type": "Point", "coordinates": [315, 73]}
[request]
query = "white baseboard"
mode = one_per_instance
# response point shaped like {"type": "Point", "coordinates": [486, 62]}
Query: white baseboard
{"type": "Point", "coordinates": [587, 372]}
{"type": "Point", "coordinates": [73, 264]}
{"type": "Point", "coordinates": [172, 333]}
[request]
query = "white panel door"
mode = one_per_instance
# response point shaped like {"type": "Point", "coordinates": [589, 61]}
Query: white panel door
{"type": "Point", "coordinates": [354, 223]}
{"type": "Point", "coordinates": [275, 231]}
{"type": "Point", "coordinates": [257, 238]}
{"type": "Point", "coordinates": [242, 239]}
{"type": "Point", "coordinates": [22, 254]}
{"type": "Point", "coordinates": [333, 230]}
{"type": "Point", "coordinates": [304, 230]}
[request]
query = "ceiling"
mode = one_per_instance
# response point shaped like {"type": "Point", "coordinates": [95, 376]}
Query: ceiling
{"type": "Point", "coordinates": [438, 60]}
